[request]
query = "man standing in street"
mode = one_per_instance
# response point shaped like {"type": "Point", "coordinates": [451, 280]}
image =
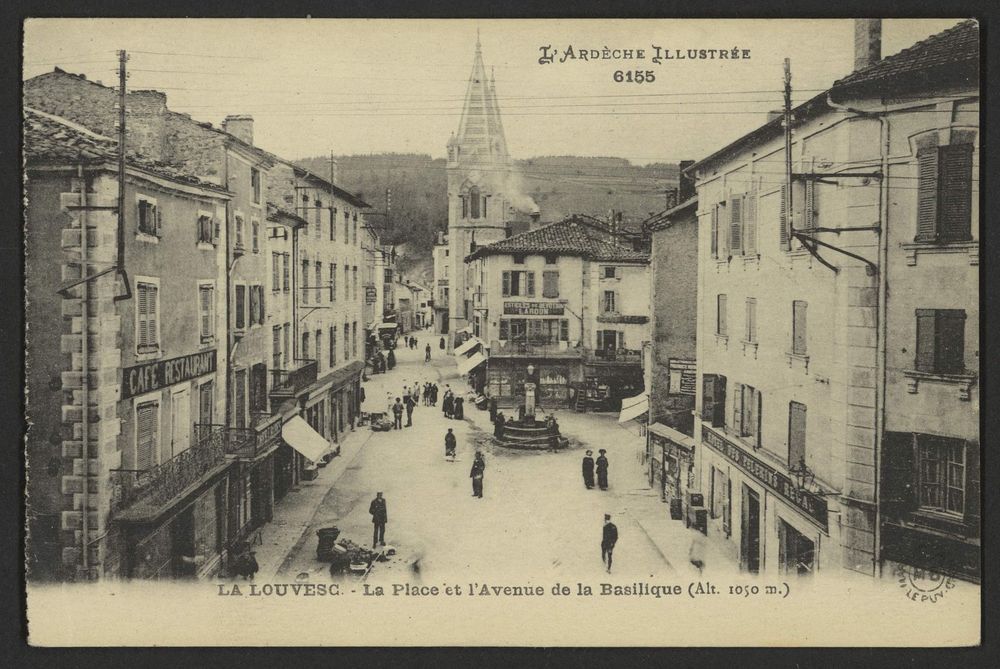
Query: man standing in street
{"type": "Point", "coordinates": [450, 443]}
{"type": "Point", "coordinates": [602, 469]}
{"type": "Point", "coordinates": [397, 415]}
{"type": "Point", "coordinates": [427, 353]}
{"type": "Point", "coordinates": [409, 409]}
{"type": "Point", "coordinates": [493, 407]}
{"type": "Point", "coordinates": [478, 468]}
{"type": "Point", "coordinates": [608, 540]}
{"type": "Point", "coordinates": [379, 518]}
{"type": "Point", "coordinates": [588, 469]}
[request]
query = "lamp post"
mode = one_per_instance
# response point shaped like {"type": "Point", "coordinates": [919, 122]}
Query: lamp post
{"type": "Point", "coordinates": [529, 394]}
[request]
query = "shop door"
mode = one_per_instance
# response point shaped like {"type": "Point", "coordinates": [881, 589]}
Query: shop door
{"type": "Point", "coordinates": [796, 553]}
{"type": "Point", "coordinates": [180, 421]}
{"type": "Point", "coordinates": [750, 535]}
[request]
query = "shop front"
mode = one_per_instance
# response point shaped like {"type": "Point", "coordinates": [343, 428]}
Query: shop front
{"type": "Point", "coordinates": [505, 379]}
{"type": "Point", "coordinates": [671, 457]}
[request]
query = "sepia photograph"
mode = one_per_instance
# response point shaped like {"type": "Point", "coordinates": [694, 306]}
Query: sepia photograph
{"type": "Point", "coordinates": [400, 332]}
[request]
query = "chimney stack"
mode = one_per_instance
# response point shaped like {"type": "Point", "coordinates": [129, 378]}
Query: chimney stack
{"type": "Point", "coordinates": [685, 182]}
{"type": "Point", "coordinates": [867, 42]}
{"type": "Point", "coordinates": [240, 126]}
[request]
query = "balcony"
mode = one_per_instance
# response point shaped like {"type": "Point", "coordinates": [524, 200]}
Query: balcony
{"type": "Point", "coordinates": [288, 382]}
{"type": "Point", "coordinates": [614, 356]}
{"type": "Point", "coordinates": [509, 348]}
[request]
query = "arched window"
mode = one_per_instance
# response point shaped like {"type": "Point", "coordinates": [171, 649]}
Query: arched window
{"type": "Point", "coordinates": [476, 201]}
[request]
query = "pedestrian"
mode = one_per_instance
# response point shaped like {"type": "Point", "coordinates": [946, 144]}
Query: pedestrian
{"type": "Point", "coordinates": [588, 469]}
{"type": "Point", "coordinates": [493, 409]}
{"type": "Point", "coordinates": [413, 341]}
{"type": "Point", "coordinates": [498, 426]}
{"type": "Point", "coordinates": [478, 468]}
{"type": "Point", "coordinates": [388, 404]}
{"type": "Point", "coordinates": [696, 554]}
{"type": "Point", "coordinates": [459, 409]}
{"type": "Point", "coordinates": [397, 415]}
{"type": "Point", "coordinates": [425, 393]}
{"type": "Point", "coordinates": [415, 393]}
{"type": "Point", "coordinates": [390, 360]}
{"type": "Point", "coordinates": [434, 394]}
{"type": "Point", "coordinates": [427, 353]}
{"type": "Point", "coordinates": [602, 469]}
{"type": "Point", "coordinates": [379, 518]}
{"type": "Point", "coordinates": [448, 405]}
{"type": "Point", "coordinates": [609, 538]}
{"type": "Point", "coordinates": [441, 344]}
{"type": "Point", "coordinates": [450, 442]}
{"type": "Point", "coordinates": [409, 403]}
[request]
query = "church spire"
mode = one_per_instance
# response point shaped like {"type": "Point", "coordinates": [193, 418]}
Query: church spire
{"type": "Point", "coordinates": [480, 138]}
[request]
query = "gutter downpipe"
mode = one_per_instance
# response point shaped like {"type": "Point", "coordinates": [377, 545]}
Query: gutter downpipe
{"type": "Point", "coordinates": [85, 362]}
{"type": "Point", "coordinates": [229, 297]}
{"type": "Point", "coordinates": [881, 325]}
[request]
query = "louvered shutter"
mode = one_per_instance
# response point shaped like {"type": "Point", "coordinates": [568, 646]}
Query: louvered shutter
{"type": "Point", "coordinates": [799, 327]}
{"type": "Point", "coordinates": [260, 289]}
{"type": "Point", "coordinates": [530, 276]}
{"type": "Point", "coordinates": [720, 327]}
{"type": "Point", "coordinates": [147, 432]}
{"type": "Point", "coordinates": [750, 223]}
{"type": "Point", "coordinates": [240, 307]}
{"type": "Point", "coordinates": [159, 221]}
{"type": "Point", "coordinates": [142, 315]}
{"type": "Point", "coordinates": [955, 192]}
{"type": "Point", "coordinates": [926, 340]}
{"type": "Point", "coordinates": [205, 408]}
{"type": "Point", "coordinates": [783, 220]}
{"type": "Point", "coordinates": [715, 231]}
{"type": "Point", "coordinates": [206, 325]}
{"type": "Point", "coordinates": [736, 225]}
{"type": "Point", "coordinates": [506, 284]}
{"type": "Point", "coordinates": [240, 401]}
{"type": "Point", "coordinates": [708, 382]}
{"type": "Point", "coordinates": [151, 323]}
{"type": "Point", "coordinates": [950, 341]}
{"type": "Point", "coordinates": [796, 433]}
{"type": "Point", "coordinates": [972, 489]}
{"type": "Point", "coordinates": [809, 210]}
{"type": "Point", "coordinates": [719, 413]}
{"type": "Point", "coordinates": [927, 194]}
{"type": "Point", "coordinates": [216, 230]}
{"type": "Point", "coordinates": [737, 425]}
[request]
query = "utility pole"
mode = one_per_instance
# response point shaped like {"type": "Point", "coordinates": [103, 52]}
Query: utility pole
{"type": "Point", "coordinates": [788, 148]}
{"type": "Point", "coordinates": [120, 259]}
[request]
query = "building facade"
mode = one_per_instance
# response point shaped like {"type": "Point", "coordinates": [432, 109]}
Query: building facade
{"type": "Point", "coordinates": [806, 309]}
{"type": "Point", "coordinates": [442, 274]}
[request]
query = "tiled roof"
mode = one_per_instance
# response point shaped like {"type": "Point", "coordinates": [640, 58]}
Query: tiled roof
{"type": "Point", "coordinates": [569, 237]}
{"type": "Point", "coordinates": [959, 45]}
{"type": "Point", "coordinates": [54, 140]}
{"type": "Point", "coordinates": [665, 218]}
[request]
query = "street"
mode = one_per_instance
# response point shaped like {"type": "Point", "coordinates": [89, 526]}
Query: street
{"type": "Point", "coordinates": [536, 518]}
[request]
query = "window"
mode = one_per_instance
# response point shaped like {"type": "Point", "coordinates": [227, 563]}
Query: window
{"type": "Point", "coordinates": [319, 347]}
{"type": "Point", "coordinates": [147, 434]}
{"type": "Point", "coordinates": [940, 341]}
{"type": "Point", "coordinates": [333, 345]}
{"type": "Point", "coordinates": [241, 317]}
{"type": "Point", "coordinates": [354, 229]}
{"type": "Point", "coordinates": [258, 387]}
{"type": "Point", "coordinates": [319, 281]}
{"type": "Point", "coordinates": [276, 347]}
{"type": "Point", "coordinates": [720, 246]}
{"type": "Point", "coordinates": [504, 329]}
{"type": "Point", "coordinates": [148, 219]}
{"type": "Point", "coordinates": [347, 282]}
{"type": "Point", "coordinates": [750, 223]}
{"type": "Point", "coordinates": [564, 329]}
{"type": "Point", "coordinates": [713, 406]}
{"type": "Point", "coordinates": [255, 185]}
{"type": "Point", "coordinates": [333, 224]}
{"type": "Point", "coordinates": [944, 193]}
{"type": "Point", "coordinates": [256, 305]}
{"type": "Point", "coordinates": [305, 345]}
{"type": "Point", "coordinates": [720, 315]}
{"type": "Point", "coordinates": [550, 260]}
{"type": "Point", "coordinates": [275, 271]}
{"type": "Point", "coordinates": [347, 225]}
{"type": "Point", "coordinates": [796, 433]}
{"type": "Point", "coordinates": [608, 303]}
{"type": "Point", "coordinates": [518, 284]}
{"type": "Point", "coordinates": [206, 403]}
{"type": "Point", "coordinates": [751, 320]}
{"type": "Point", "coordinates": [714, 241]}
{"type": "Point", "coordinates": [286, 343]}
{"type": "Point", "coordinates": [519, 259]}
{"type": "Point", "coordinates": [255, 236]}
{"type": "Point", "coordinates": [347, 341]}
{"type": "Point", "coordinates": [206, 304]}
{"type": "Point", "coordinates": [305, 282]}
{"type": "Point", "coordinates": [746, 413]}
{"type": "Point", "coordinates": [318, 218]}
{"type": "Point", "coordinates": [799, 328]}
{"type": "Point", "coordinates": [354, 339]}
{"type": "Point", "coordinates": [475, 199]}
{"type": "Point", "coordinates": [354, 283]}
{"type": "Point", "coordinates": [611, 272]}
{"type": "Point", "coordinates": [941, 474]}
{"type": "Point", "coordinates": [610, 340]}
{"type": "Point", "coordinates": [736, 225]}
{"type": "Point", "coordinates": [465, 206]}
{"type": "Point", "coordinates": [206, 229]}
{"type": "Point", "coordinates": [285, 260]}
{"type": "Point", "coordinates": [240, 398]}
{"type": "Point", "coordinates": [147, 320]}
{"type": "Point", "coordinates": [333, 282]}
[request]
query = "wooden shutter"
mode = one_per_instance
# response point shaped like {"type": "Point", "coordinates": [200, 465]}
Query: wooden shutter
{"type": "Point", "coordinates": [217, 230]}
{"type": "Point", "coordinates": [720, 315]}
{"type": "Point", "coordinates": [972, 489]}
{"type": "Point", "coordinates": [159, 221]}
{"type": "Point", "coordinates": [151, 318]}
{"type": "Point", "coordinates": [796, 433]}
{"type": "Point", "coordinates": [719, 413]}
{"type": "Point", "coordinates": [799, 327]}
{"type": "Point", "coordinates": [205, 408]}
{"type": "Point", "coordinates": [927, 194]}
{"type": "Point", "coordinates": [809, 206]}
{"type": "Point", "coordinates": [530, 278]}
{"type": "Point", "coordinates": [147, 435]}
{"type": "Point", "coordinates": [260, 289]}
{"type": "Point", "coordinates": [241, 307]}
{"type": "Point", "coordinates": [736, 225]}
{"type": "Point", "coordinates": [254, 305]}
{"type": "Point", "coordinates": [950, 341]}
{"type": "Point", "coordinates": [926, 340]}
{"type": "Point", "coordinates": [141, 315]}
{"type": "Point", "coordinates": [205, 301]}
{"type": "Point", "coordinates": [715, 231]}
{"type": "Point", "coordinates": [899, 489]}
{"type": "Point", "coordinates": [506, 284]}
{"type": "Point", "coordinates": [751, 319]}
{"type": "Point", "coordinates": [784, 228]}
{"type": "Point", "coordinates": [750, 222]}
{"type": "Point", "coordinates": [737, 424]}
{"type": "Point", "coordinates": [239, 400]}
{"type": "Point", "coordinates": [708, 383]}
{"type": "Point", "coordinates": [955, 192]}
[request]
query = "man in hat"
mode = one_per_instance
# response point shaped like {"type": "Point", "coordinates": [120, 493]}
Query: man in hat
{"type": "Point", "coordinates": [588, 469]}
{"type": "Point", "coordinates": [450, 443]}
{"type": "Point", "coordinates": [602, 469]}
{"type": "Point", "coordinates": [476, 474]}
{"type": "Point", "coordinates": [609, 538]}
{"type": "Point", "coordinates": [397, 415]}
{"type": "Point", "coordinates": [379, 518]}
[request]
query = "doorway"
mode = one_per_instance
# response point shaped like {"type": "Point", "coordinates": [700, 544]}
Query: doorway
{"type": "Point", "coordinates": [750, 534]}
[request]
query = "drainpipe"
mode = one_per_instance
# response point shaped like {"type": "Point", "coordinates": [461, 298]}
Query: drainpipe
{"type": "Point", "coordinates": [85, 361]}
{"type": "Point", "coordinates": [228, 287]}
{"type": "Point", "coordinates": [881, 325]}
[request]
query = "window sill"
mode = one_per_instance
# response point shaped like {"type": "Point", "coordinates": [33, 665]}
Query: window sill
{"type": "Point", "coordinates": [963, 381]}
{"type": "Point", "coordinates": [146, 238]}
{"type": "Point", "coordinates": [798, 359]}
{"type": "Point", "coordinates": [207, 342]}
{"type": "Point", "coordinates": [751, 346]}
{"type": "Point", "coordinates": [147, 355]}
{"type": "Point", "coordinates": [914, 249]}
{"type": "Point", "coordinates": [751, 260]}
{"type": "Point", "coordinates": [205, 246]}
{"type": "Point", "coordinates": [722, 339]}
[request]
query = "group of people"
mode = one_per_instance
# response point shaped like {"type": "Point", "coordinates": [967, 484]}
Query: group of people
{"type": "Point", "coordinates": [382, 362]}
{"type": "Point", "coordinates": [452, 405]}
{"type": "Point", "coordinates": [600, 466]}
{"type": "Point", "coordinates": [411, 342]}
{"type": "Point", "coordinates": [430, 394]}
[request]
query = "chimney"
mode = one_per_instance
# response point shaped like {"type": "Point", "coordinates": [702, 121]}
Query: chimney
{"type": "Point", "coordinates": [535, 215]}
{"type": "Point", "coordinates": [685, 182]}
{"type": "Point", "coordinates": [775, 113]}
{"type": "Point", "coordinates": [240, 126]}
{"type": "Point", "coordinates": [146, 123]}
{"type": "Point", "coordinates": [867, 42]}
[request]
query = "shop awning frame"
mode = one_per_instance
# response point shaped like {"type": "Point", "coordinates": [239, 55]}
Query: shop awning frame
{"type": "Point", "coordinates": [467, 346]}
{"type": "Point", "coordinates": [299, 435]}
{"type": "Point", "coordinates": [633, 407]}
{"type": "Point", "coordinates": [470, 363]}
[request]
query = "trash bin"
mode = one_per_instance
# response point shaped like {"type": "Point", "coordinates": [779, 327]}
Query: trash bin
{"type": "Point", "coordinates": [327, 538]}
{"type": "Point", "coordinates": [676, 508]}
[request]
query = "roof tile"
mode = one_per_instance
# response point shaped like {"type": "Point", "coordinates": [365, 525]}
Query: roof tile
{"type": "Point", "coordinates": [567, 237]}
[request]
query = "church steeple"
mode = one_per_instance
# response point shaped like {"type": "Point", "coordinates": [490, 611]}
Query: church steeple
{"type": "Point", "coordinates": [480, 138]}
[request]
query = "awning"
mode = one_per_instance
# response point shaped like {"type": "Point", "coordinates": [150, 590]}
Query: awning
{"type": "Point", "coordinates": [388, 326]}
{"type": "Point", "coordinates": [467, 328]}
{"type": "Point", "coordinates": [371, 326]}
{"type": "Point", "coordinates": [467, 346]}
{"type": "Point", "coordinates": [304, 439]}
{"type": "Point", "coordinates": [470, 363]}
{"type": "Point", "coordinates": [633, 407]}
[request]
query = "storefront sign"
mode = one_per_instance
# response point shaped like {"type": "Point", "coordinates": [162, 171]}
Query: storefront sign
{"type": "Point", "coordinates": [371, 295]}
{"type": "Point", "coordinates": [269, 434]}
{"type": "Point", "coordinates": [683, 376]}
{"type": "Point", "coordinates": [532, 309]}
{"type": "Point", "coordinates": [152, 376]}
{"type": "Point", "coordinates": [812, 505]}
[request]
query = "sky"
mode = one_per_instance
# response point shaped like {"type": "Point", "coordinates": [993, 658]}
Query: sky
{"type": "Point", "coordinates": [354, 86]}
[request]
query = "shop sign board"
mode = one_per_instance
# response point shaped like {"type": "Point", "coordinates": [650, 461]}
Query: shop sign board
{"type": "Point", "coordinates": [533, 309]}
{"type": "Point", "coordinates": [151, 376]}
{"type": "Point", "coordinates": [683, 376]}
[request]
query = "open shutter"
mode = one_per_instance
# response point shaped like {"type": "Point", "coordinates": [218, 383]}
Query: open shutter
{"type": "Point", "coordinates": [146, 435]}
{"type": "Point", "coordinates": [151, 322]}
{"type": "Point", "coordinates": [719, 414]}
{"type": "Point", "coordinates": [926, 340]}
{"type": "Point", "coordinates": [206, 326]}
{"type": "Point", "coordinates": [950, 341]}
{"type": "Point", "coordinates": [736, 225]}
{"type": "Point", "coordinates": [530, 278]}
{"type": "Point", "coordinates": [758, 403]}
{"type": "Point", "coordinates": [972, 489]}
{"type": "Point", "coordinates": [750, 222]}
{"type": "Point", "coordinates": [216, 230]}
{"type": "Point", "coordinates": [708, 382]}
{"type": "Point", "coordinates": [783, 220]}
{"type": "Point", "coordinates": [809, 210]}
{"type": "Point", "coordinates": [506, 284]}
{"type": "Point", "coordinates": [927, 194]}
{"type": "Point", "coordinates": [737, 424]}
{"type": "Point", "coordinates": [955, 192]}
{"type": "Point", "coordinates": [721, 325]}
{"type": "Point", "coordinates": [898, 472]}
{"type": "Point", "coordinates": [141, 316]}
{"type": "Point", "coordinates": [159, 221]}
{"type": "Point", "coordinates": [799, 327]}
{"type": "Point", "coordinates": [260, 289]}
{"type": "Point", "coordinates": [715, 231]}
{"type": "Point", "coordinates": [796, 433]}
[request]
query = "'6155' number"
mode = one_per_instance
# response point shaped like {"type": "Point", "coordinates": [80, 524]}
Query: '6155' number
{"type": "Point", "coordinates": [635, 76]}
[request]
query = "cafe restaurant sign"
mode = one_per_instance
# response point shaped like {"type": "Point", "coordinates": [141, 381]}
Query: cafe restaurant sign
{"type": "Point", "coordinates": [810, 504]}
{"type": "Point", "coordinates": [532, 309]}
{"type": "Point", "coordinates": [151, 376]}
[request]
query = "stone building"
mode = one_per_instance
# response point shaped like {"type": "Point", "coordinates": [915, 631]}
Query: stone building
{"type": "Point", "coordinates": [442, 274]}
{"type": "Point", "coordinates": [837, 322]}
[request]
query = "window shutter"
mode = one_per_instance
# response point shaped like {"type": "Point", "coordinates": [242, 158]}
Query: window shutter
{"type": "Point", "coordinates": [618, 273]}
{"type": "Point", "coordinates": [708, 396]}
{"type": "Point", "coordinates": [217, 227]}
{"type": "Point", "coordinates": [796, 433]}
{"type": "Point", "coordinates": [809, 210]}
{"type": "Point", "coordinates": [783, 222]}
{"type": "Point", "coordinates": [531, 283]}
{"type": "Point", "coordinates": [504, 329]}
{"type": "Point", "coordinates": [159, 221]}
{"type": "Point", "coordinates": [721, 314]}
{"type": "Point", "coordinates": [737, 425]}
{"type": "Point", "coordinates": [142, 316]}
{"type": "Point", "coordinates": [736, 225]}
{"type": "Point", "coordinates": [927, 194]}
{"type": "Point", "coordinates": [750, 223]}
{"type": "Point", "coordinates": [972, 487]}
{"type": "Point", "coordinates": [146, 435]}
{"type": "Point", "coordinates": [564, 329]}
{"type": "Point", "coordinates": [898, 472]}
{"type": "Point", "coordinates": [206, 325]}
{"type": "Point", "coordinates": [715, 231]}
{"type": "Point", "coordinates": [506, 284]}
{"type": "Point", "coordinates": [926, 340]}
{"type": "Point", "coordinates": [240, 307]}
{"type": "Point", "coordinates": [955, 192]}
{"type": "Point", "coordinates": [600, 340]}
{"type": "Point", "coordinates": [758, 416]}
{"type": "Point", "coordinates": [799, 327]}
{"type": "Point", "coordinates": [151, 325]}
{"type": "Point", "coordinates": [260, 289]}
{"type": "Point", "coordinates": [950, 341]}
{"type": "Point", "coordinates": [621, 339]}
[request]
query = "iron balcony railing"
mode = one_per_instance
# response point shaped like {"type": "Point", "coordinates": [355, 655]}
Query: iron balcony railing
{"type": "Point", "coordinates": [528, 347]}
{"type": "Point", "coordinates": [287, 382]}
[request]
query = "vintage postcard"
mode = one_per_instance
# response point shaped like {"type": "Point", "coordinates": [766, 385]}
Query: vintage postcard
{"type": "Point", "coordinates": [502, 332]}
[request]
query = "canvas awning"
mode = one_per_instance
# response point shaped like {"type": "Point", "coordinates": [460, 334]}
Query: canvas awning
{"type": "Point", "coordinates": [633, 407]}
{"type": "Point", "coordinates": [467, 328]}
{"type": "Point", "coordinates": [388, 326]}
{"type": "Point", "coordinates": [470, 363]}
{"type": "Point", "coordinates": [467, 346]}
{"type": "Point", "coordinates": [304, 439]}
